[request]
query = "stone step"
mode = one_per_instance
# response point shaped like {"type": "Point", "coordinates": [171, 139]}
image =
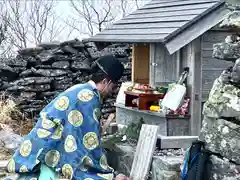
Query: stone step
{"type": "Point", "coordinates": [176, 142]}
{"type": "Point", "coordinates": [164, 142]}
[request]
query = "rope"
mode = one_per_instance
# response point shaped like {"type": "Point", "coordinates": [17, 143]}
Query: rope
{"type": "Point", "coordinates": [184, 171]}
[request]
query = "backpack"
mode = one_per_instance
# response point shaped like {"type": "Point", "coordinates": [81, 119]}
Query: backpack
{"type": "Point", "coordinates": [197, 162]}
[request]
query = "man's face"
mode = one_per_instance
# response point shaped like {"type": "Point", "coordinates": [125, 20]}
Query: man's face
{"type": "Point", "coordinates": [107, 88]}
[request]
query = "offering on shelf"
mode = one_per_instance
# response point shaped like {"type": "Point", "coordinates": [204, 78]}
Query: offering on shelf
{"type": "Point", "coordinates": [155, 108]}
{"type": "Point", "coordinates": [182, 110]}
{"type": "Point", "coordinates": [144, 89]}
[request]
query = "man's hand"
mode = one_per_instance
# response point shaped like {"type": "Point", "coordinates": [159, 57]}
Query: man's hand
{"type": "Point", "coordinates": [122, 177]}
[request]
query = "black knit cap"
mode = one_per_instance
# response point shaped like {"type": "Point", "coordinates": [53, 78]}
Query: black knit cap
{"type": "Point", "coordinates": [111, 66]}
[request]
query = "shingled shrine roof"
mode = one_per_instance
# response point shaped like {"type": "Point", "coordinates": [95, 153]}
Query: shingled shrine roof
{"type": "Point", "coordinates": [159, 21]}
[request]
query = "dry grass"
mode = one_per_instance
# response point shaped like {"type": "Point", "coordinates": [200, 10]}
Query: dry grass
{"type": "Point", "coordinates": [11, 118]}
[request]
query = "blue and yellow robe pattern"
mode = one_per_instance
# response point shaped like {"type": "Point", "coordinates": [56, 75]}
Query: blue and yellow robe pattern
{"type": "Point", "coordinates": [65, 138]}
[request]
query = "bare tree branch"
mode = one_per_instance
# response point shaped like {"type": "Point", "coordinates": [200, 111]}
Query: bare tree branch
{"type": "Point", "coordinates": [75, 25]}
{"type": "Point", "coordinates": [55, 28]}
{"type": "Point", "coordinates": [123, 7]}
{"type": "Point", "coordinates": [40, 13]}
{"type": "Point", "coordinates": [17, 30]}
{"type": "Point", "coordinates": [29, 22]}
{"type": "Point", "coordinates": [136, 2]}
{"type": "Point", "coordinates": [3, 24]}
{"type": "Point", "coordinates": [83, 13]}
{"type": "Point", "coordinates": [96, 17]}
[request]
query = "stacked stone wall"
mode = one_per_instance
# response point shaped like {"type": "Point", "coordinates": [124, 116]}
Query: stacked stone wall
{"type": "Point", "coordinates": [36, 75]}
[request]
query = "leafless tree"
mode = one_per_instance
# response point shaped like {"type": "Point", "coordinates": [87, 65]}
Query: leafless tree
{"type": "Point", "coordinates": [55, 27]}
{"type": "Point", "coordinates": [3, 25]}
{"type": "Point", "coordinates": [127, 6]}
{"type": "Point", "coordinates": [30, 22]}
{"type": "Point", "coordinates": [39, 15]}
{"type": "Point", "coordinates": [136, 2]}
{"type": "Point", "coordinates": [17, 34]}
{"type": "Point", "coordinates": [124, 7]}
{"type": "Point", "coordinates": [94, 15]}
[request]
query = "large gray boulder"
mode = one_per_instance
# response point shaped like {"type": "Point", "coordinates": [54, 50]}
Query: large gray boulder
{"type": "Point", "coordinates": [233, 18]}
{"type": "Point", "coordinates": [222, 137]}
{"type": "Point", "coordinates": [226, 51]}
{"type": "Point", "coordinates": [222, 169]}
{"type": "Point", "coordinates": [223, 100]}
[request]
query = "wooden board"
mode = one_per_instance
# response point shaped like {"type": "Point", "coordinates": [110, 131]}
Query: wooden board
{"type": "Point", "coordinates": [177, 3]}
{"type": "Point", "coordinates": [170, 142]}
{"type": "Point", "coordinates": [144, 152]}
{"type": "Point", "coordinates": [170, 13]}
{"type": "Point", "coordinates": [158, 19]}
{"type": "Point", "coordinates": [139, 31]}
{"type": "Point", "coordinates": [164, 68]}
{"type": "Point", "coordinates": [215, 36]}
{"type": "Point", "coordinates": [173, 8]}
{"type": "Point", "coordinates": [211, 67]}
{"type": "Point", "coordinates": [212, 63]}
{"type": "Point", "coordinates": [196, 30]}
{"type": "Point", "coordinates": [133, 38]}
{"type": "Point", "coordinates": [140, 63]}
{"type": "Point", "coordinates": [191, 56]}
{"type": "Point", "coordinates": [208, 78]}
{"type": "Point", "coordinates": [148, 25]}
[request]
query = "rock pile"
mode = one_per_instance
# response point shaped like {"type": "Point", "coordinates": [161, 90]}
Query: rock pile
{"type": "Point", "coordinates": [221, 123]}
{"type": "Point", "coordinates": [36, 75]}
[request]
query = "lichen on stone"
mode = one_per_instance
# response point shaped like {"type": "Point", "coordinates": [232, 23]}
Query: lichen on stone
{"type": "Point", "coordinates": [232, 20]}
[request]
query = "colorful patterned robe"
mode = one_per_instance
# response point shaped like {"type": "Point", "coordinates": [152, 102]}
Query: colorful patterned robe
{"type": "Point", "coordinates": [66, 138]}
